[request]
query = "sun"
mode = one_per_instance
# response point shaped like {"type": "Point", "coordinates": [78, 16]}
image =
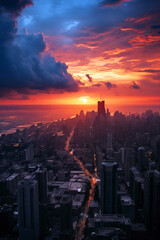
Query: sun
{"type": "Point", "coordinates": [84, 99]}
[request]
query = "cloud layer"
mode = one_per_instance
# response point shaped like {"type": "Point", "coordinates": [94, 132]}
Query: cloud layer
{"type": "Point", "coordinates": [117, 41]}
{"type": "Point", "coordinates": [14, 6]}
{"type": "Point", "coordinates": [25, 67]}
{"type": "Point", "coordinates": [107, 3]}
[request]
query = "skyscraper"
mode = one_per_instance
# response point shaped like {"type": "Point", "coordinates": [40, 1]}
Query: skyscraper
{"type": "Point", "coordinates": [109, 140]}
{"type": "Point", "coordinates": [41, 177]}
{"type": "Point", "coordinates": [29, 153]}
{"type": "Point", "coordinates": [28, 210]}
{"type": "Point", "coordinates": [66, 216]}
{"type": "Point", "coordinates": [156, 201]}
{"type": "Point", "coordinates": [129, 159]}
{"type": "Point", "coordinates": [101, 108]}
{"type": "Point", "coordinates": [148, 199]}
{"type": "Point", "coordinates": [152, 201]}
{"type": "Point", "coordinates": [142, 160]}
{"type": "Point", "coordinates": [109, 187]}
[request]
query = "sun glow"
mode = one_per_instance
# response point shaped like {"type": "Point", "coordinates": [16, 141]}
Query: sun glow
{"type": "Point", "coordinates": [84, 99]}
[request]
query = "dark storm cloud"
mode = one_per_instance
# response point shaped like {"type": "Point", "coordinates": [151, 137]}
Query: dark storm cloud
{"type": "Point", "coordinates": [96, 85]}
{"type": "Point", "coordinates": [14, 6]}
{"type": "Point", "coordinates": [24, 66]}
{"type": "Point", "coordinates": [134, 85]}
{"type": "Point", "coordinates": [109, 85]}
{"type": "Point", "coordinates": [150, 71]}
{"type": "Point", "coordinates": [155, 26]}
{"type": "Point", "coordinates": [107, 3]}
{"type": "Point", "coordinates": [80, 83]}
{"type": "Point", "coordinates": [12, 95]}
{"type": "Point", "coordinates": [89, 78]}
{"type": "Point", "coordinates": [7, 28]}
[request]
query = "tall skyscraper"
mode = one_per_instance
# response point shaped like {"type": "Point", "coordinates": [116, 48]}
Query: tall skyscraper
{"type": "Point", "coordinates": [156, 201]}
{"type": "Point", "coordinates": [129, 159]}
{"type": "Point", "coordinates": [152, 201]}
{"type": "Point", "coordinates": [109, 187]}
{"type": "Point", "coordinates": [109, 140]}
{"type": "Point", "coordinates": [28, 210]}
{"type": "Point", "coordinates": [148, 199]}
{"type": "Point", "coordinates": [142, 160]}
{"type": "Point", "coordinates": [29, 153]}
{"type": "Point", "coordinates": [66, 216]}
{"type": "Point", "coordinates": [41, 177]}
{"type": "Point", "coordinates": [132, 175]}
{"type": "Point", "coordinates": [101, 108]}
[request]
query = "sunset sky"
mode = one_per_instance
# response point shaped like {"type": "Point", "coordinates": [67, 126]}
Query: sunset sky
{"type": "Point", "coordinates": [77, 52]}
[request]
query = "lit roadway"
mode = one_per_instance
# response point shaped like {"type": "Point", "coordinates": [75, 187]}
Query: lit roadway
{"type": "Point", "coordinates": [93, 179]}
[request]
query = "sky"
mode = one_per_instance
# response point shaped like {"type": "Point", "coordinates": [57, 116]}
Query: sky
{"type": "Point", "coordinates": [78, 52]}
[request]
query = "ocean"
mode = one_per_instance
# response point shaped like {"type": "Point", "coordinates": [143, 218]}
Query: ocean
{"type": "Point", "coordinates": [14, 117]}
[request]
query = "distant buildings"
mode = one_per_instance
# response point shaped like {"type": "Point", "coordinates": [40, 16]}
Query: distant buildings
{"type": "Point", "coordinates": [28, 210]}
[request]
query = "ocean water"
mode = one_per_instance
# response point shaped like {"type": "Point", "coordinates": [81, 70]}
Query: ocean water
{"type": "Point", "coordinates": [20, 116]}
{"type": "Point", "coordinates": [17, 117]}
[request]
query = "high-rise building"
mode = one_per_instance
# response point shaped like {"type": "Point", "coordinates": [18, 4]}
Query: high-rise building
{"type": "Point", "coordinates": [66, 216]}
{"type": "Point", "coordinates": [152, 201]}
{"type": "Point", "coordinates": [41, 177]}
{"type": "Point", "coordinates": [29, 153]}
{"type": "Point", "coordinates": [148, 199]}
{"type": "Point", "coordinates": [109, 140]}
{"type": "Point", "coordinates": [28, 210]}
{"type": "Point", "coordinates": [129, 160]}
{"type": "Point", "coordinates": [156, 150]}
{"type": "Point", "coordinates": [142, 160]}
{"type": "Point", "coordinates": [156, 201]}
{"type": "Point", "coordinates": [138, 194]}
{"type": "Point", "coordinates": [127, 207]}
{"type": "Point", "coordinates": [101, 108]}
{"type": "Point", "coordinates": [109, 187]}
{"type": "Point", "coordinates": [132, 175]}
{"type": "Point", "coordinates": [12, 182]}
{"type": "Point", "coordinates": [6, 219]}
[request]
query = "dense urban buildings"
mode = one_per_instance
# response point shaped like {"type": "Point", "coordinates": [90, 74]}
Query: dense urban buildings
{"type": "Point", "coordinates": [93, 176]}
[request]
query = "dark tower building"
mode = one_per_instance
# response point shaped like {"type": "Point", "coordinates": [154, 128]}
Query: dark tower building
{"type": "Point", "coordinates": [101, 108]}
{"type": "Point", "coordinates": [41, 177]}
{"type": "Point", "coordinates": [142, 160]}
{"type": "Point", "coordinates": [156, 201]}
{"type": "Point", "coordinates": [148, 199]}
{"type": "Point", "coordinates": [109, 187]}
{"type": "Point", "coordinates": [152, 201]}
{"type": "Point", "coordinates": [66, 216]}
{"type": "Point", "coordinates": [28, 210]}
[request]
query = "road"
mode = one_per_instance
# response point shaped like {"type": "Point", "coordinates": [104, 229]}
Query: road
{"type": "Point", "coordinates": [93, 179]}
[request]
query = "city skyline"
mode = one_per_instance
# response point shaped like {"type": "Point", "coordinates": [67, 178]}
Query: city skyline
{"type": "Point", "coordinates": [77, 52]}
{"type": "Point", "coordinates": [88, 177]}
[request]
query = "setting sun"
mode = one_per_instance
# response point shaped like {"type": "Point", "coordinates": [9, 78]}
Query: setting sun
{"type": "Point", "coordinates": [84, 99]}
